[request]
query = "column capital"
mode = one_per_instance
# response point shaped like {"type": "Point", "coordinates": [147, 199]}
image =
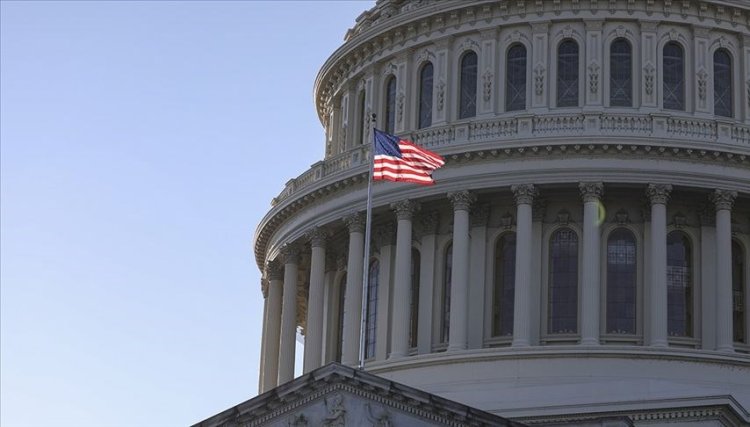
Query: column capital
{"type": "Point", "coordinates": [290, 253]}
{"type": "Point", "coordinates": [658, 193]}
{"type": "Point", "coordinates": [355, 222]}
{"type": "Point", "coordinates": [274, 270]}
{"type": "Point", "coordinates": [591, 191]}
{"type": "Point", "coordinates": [524, 193]}
{"type": "Point", "coordinates": [405, 209]}
{"type": "Point", "coordinates": [480, 215]}
{"type": "Point", "coordinates": [264, 287]}
{"type": "Point", "coordinates": [317, 237]}
{"type": "Point", "coordinates": [723, 199]}
{"type": "Point", "coordinates": [462, 200]}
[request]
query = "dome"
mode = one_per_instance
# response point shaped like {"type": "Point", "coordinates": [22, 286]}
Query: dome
{"type": "Point", "coordinates": [585, 251]}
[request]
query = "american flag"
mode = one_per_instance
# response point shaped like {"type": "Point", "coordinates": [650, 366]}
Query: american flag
{"type": "Point", "coordinates": [400, 160]}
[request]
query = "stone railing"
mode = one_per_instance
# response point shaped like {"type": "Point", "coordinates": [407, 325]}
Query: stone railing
{"type": "Point", "coordinates": [534, 127]}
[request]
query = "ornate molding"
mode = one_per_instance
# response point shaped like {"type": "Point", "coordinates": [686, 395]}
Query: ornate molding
{"type": "Point", "coordinates": [658, 193]}
{"type": "Point", "coordinates": [440, 94]}
{"type": "Point", "coordinates": [648, 78]}
{"type": "Point", "coordinates": [355, 222]}
{"type": "Point", "coordinates": [317, 237]}
{"type": "Point", "coordinates": [594, 77]}
{"type": "Point", "coordinates": [462, 200]}
{"type": "Point", "coordinates": [487, 78]}
{"type": "Point", "coordinates": [702, 82]}
{"type": "Point", "coordinates": [274, 270]}
{"type": "Point", "coordinates": [290, 253]}
{"type": "Point", "coordinates": [622, 217]}
{"type": "Point", "coordinates": [524, 193]}
{"type": "Point", "coordinates": [723, 199]}
{"type": "Point", "coordinates": [405, 209]}
{"type": "Point", "coordinates": [591, 191]}
{"type": "Point", "coordinates": [539, 79]}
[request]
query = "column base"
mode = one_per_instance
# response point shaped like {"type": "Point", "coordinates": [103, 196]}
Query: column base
{"type": "Point", "coordinates": [659, 344]}
{"type": "Point", "coordinates": [589, 341]}
{"type": "Point", "coordinates": [456, 348]}
{"type": "Point", "coordinates": [520, 343]}
{"type": "Point", "coordinates": [725, 349]}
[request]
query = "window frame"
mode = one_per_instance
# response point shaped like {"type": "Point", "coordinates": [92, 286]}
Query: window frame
{"type": "Point", "coordinates": [693, 341]}
{"type": "Point", "coordinates": [547, 337]}
{"type": "Point", "coordinates": [419, 93]}
{"type": "Point", "coordinates": [637, 337]}
{"type": "Point", "coordinates": [730, 70]}
{"type": "Point", "coordinates": [505, 72]}
{"type": "Point", "coordinates": [580, 95]}
{"type": "Point", "coordinates": [686, 93]}
{"type": "Point", "coordinates": [459, 89]}
{"type": "Point", "coordinates": [493, 287]}
{"type": "Point", "coordinates": [632, 71]}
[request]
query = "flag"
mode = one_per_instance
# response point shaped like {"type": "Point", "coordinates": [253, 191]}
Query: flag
{"type": "Point", "coordinates": [400, 160]}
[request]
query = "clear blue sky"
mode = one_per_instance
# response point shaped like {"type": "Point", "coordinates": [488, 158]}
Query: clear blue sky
{"type": "Point", "coordinates": [141, 143]}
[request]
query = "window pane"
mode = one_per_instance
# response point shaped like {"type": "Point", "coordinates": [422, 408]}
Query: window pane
{"type": "Point", "coordinates": [425, 96]}
{"type": "Point", "coordinates": [738, 292]}
{"type": "Point", "coordinates": [390, 105]}
{"type": "Point", "coordinates": [567, 74]}
{"type": "Point", "coordinates": [515, 82]}
{"type": "Point", "coordinates": [372, 309]}
{"type": "Point", "coordinates": [446, 312]}
{"type": "Point", "coordinates": [621, 282]}
{"type": "Point", "coordinates": [722, 83]}
{"type": "Point", "coordinates": [468, 97]}
{"type": "Point", "coordinates": [505, 281]}
{"type": "Point", "coordinates": [674, 77]}
{"type": "Point", "coordinates": [620, 74]}
{"type": "Point", "coordinates": [414, 310]}
{"type": "Point", "coordinates": [563, 283]}
{"type": "Point", "coordinates": [679, 285]}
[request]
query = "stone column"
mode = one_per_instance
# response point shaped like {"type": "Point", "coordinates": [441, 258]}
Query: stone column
{"type": "Point", "coordinates": [264, 336]}
{"type": "Point", "coordinates": [384, 238]}
{"type": "Point", "coordinates": [288, 314]}
{"type": "Point", "coordinates": [402, 284]}
{"type": "Point", "coordinates": [477, 272]}
{"type": "Point", "coordinates": [275, 275]}
{"type": "Point", "coordinates": [723, 200]}
{"type": "Point", "coordinates": [428, 228]}
{"type": "Point", "coordinates": [457, 338]}
{"type": "Point", "coordinates": [524, 195]}
{"type": "Point", "coordinates": [658, 195]}
{"type": "Point", "coordinates": [314, 329]}
{"type": "Point", "coordinates": [591, 192]}
{"type": "Point", "coordinates": [353, 299]}
{"type": "Point", "coordinates": [707, 218]}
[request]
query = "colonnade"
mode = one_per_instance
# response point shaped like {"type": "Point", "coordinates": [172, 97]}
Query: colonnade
{"type": "Point", "coordinates": [277, 360]}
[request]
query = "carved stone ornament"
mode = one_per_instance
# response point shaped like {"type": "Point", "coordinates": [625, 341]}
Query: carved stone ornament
{"type": "Point", "coordinates": [567, 31]}
{"type": "Point", "coordinates": [405, 209]}
{"type": "Point", "coordinates": [378, 418]}
{"type": "Point", "coordinates": [506, 221]}
{"type": "Point", "coordinates": [400, 106]}
{"type": "Point", "coordinates": [591, 191]}
{"type": "Point", "coordinates": [461, 200]}
{"type": "Point", "coordinates": [440, 95]}
{"type": "Point", "coordinates": [524, 193]}
{"type": "Point", "coordinates": [336, 412]}
{"type": "Point", "coordinates": [622, 217]}
{"type": "Point", "coordinates": [563, 217]}
{"type": "Point", "coordinates": [594, 77]}
{"type": "Point", "coordinates": [539, 79]}
{"type": "Point", "coordinates": [368, 121]}
{"type": "Point", "coordinates": [355, 222]}
{"type": "Point", "coordinates": [264, 287]}
{"type": "Point", "coordinates": [297, 421]}
{"type": "Point", "coordinates": [487, 80]}
{"type": "Point", "coordinates": [274, 270]}
{"type": "Point", "coordinates": [480, 215]}
{"type": "Point", "coordinates": [648, 78]}
{"type": "Point", "coordinates": [723, 199]}
{"type": "Point", "coordinates": [658, 193]}
{"type": "Point", "coordinates": [679, 220]}
{"type": "Point", "coordinates": [290, 253]}
{"type": "Point", "coordinates": [425, 55]}
{"type": "Point", "coordinates": [702, 81]}
{"type": "Point", "coordinates": [317, 237]}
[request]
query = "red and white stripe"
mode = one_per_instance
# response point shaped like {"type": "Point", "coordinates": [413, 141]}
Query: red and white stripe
{"type": "Point", "coordinates": [415, 165]}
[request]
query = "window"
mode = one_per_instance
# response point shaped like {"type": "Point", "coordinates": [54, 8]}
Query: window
{"type": "Point", "coordinates": [445, 313]}
{"type": "Point", "coordinates": [468, 86]}
{"type": "Point", "coordinates": [515, 79]}
{"type": "Point", "coordinates": [425, 95]}
{"type": "Point", "coordinates": [621, 282]}
{"type": "Point", "coordinates": [562, 307]}
{"type": "Point", "coordinates": [372, 309]}
{"type": "Point", "coordinates": [414, 309]}
{"type": "Point", "coordinates": [390, 104]}
{"type": "Point", "coordinates": [505, 281]}
{"type": "Point", "coordinates": [738, 292]}
{"type": "Point", "coordinates": [567, 74]}
{"type": "Point", "coordinates": [340, 326]}
{"type": "Point", "coordinates": [620, 74]}
{"type": "Point", "coordinates": [679, 285]}
{"type": "Point", "coordinates": [674, 77]}
{"type": "Point", "coordinates": [362, 123]}
{"type": "Point", "coordinates": [722, 83]}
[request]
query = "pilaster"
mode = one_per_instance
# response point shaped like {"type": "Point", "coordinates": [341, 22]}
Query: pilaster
{"type": "Point", "coordinates": [594, 63]}
{"type": "Point", "coordinates": [540, 66]}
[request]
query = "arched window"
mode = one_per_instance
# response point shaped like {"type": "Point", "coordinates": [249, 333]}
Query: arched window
{"type": "Point", "coordinates": [674, 76]}
{"type": "Point", "coordinates": [390, 104]}
{"type": "Point", "coordinates": [562, 309]}
{"type": "Point", "coordinates": [722, 83]}
{"type": "Point", "coordinates": [738, 292]}
{"type": "Point", "coordinates": [372, 308]}
{"type": "Point", "coordinates": [468, 86]}
{"type": "Point", "coordinates": [679, 285]}
{"type": "Point", "coordinates": [515, 78]}
{"type": "Point", "coordinates": [621, 282]}
{"type": "Point", "coordinates": [505, 280]}
{"type": "Point", "coordinates": [445, 313]}
{"type": "Point", "coordinates": [567, 74]}
{"type": "Point", "coordinates": [425, 95]}
{"type": "Point", "coordinates": [362, 123]}
{"type": "Point", "coordinates": [340, 325]}
{"type": "Point", "coordinates": [620, 74]}
{"type": "Point", "coordinates": [414, 309]}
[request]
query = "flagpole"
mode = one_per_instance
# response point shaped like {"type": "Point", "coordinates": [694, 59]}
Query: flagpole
{"type": "Point", "coordinates": [366, 268]}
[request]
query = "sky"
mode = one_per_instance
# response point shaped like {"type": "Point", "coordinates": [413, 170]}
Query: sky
{"type": "Point", "coordinates": [141, 142]}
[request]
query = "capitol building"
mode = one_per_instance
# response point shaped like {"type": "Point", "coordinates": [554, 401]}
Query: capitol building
{"type": "Point", "coordinates": [584, 256]}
